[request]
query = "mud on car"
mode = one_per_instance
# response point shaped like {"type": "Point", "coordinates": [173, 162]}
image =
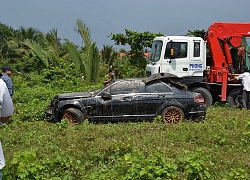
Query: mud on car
{"type": "Point", "coordinates": [130, 99]}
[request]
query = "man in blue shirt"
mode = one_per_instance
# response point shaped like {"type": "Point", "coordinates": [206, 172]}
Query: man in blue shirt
{"type": "Point", "coordinates": [7, 71]}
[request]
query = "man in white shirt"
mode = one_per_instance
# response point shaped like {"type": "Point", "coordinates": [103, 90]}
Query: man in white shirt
{"type": "Point", "coordinates": [6, 110]}
{"type": "Point", "coordinates": [245, 78]}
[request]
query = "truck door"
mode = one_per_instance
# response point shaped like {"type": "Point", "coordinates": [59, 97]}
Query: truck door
{"type": "Point", "coordinates": [197, 65]}
{"type": "Point", "coordinates": [179, 63]}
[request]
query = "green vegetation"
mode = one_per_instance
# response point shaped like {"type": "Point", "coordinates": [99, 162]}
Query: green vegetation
{"type": "Point", "coordinates": [29, 50]}
{"type": "Point", "coordinates": [138, 43]}
{"type": "Point", "coordinates": [213, 149]}
{"type": "Point", "coordinates": [217, 148]}
{"type": "Point", "coordinates": [86, 62]}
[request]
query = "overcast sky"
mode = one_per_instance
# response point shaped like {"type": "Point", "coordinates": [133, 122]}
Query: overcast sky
{"type": "Point", "coordinates": [103, 17]}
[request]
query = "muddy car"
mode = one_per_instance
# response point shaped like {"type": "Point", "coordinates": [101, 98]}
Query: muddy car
{"type": "Point", "coordinates": [130, 99]}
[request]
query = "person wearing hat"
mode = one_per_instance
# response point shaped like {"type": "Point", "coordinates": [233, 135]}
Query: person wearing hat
{"type": "Point", "coordinates": [7, 71]}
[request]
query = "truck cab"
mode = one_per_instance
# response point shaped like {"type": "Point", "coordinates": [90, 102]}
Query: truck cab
{"type": "Point", "coordinates": [183, 56]}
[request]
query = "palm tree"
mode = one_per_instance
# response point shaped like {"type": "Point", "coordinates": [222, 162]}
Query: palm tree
{"type": "Point", "coordinates": [28, 33]}
{"type": "Point", "coordinates": [11, 41]}
{"type": "Point", "coordinates": [38, 52]}
{"type": "Point", "coordinates": [43, 48]}
{"type": "Point", "coordinates": [76, 56]}
{"type": "Point", "coordinates": [5, 32]}
{"type": "Point", "coordinates": [108, 55]}
{"type": "Point", "coordinates": [87, 61]}
{"type": "Point", "coordinates": [54, 41]}
{"type": "Point", "coordinates": [8, 41]}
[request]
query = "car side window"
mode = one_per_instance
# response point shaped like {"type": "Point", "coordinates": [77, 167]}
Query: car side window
{"type": "Point", "coordinates": [126, 87]}
{"type": "Point", "coordinates": [158, 88]}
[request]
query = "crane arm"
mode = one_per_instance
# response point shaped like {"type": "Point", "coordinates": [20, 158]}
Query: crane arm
{"type": "Point", "coordinates": [220, 36]}
{"type": "Point", "coordinates": [230, 34]}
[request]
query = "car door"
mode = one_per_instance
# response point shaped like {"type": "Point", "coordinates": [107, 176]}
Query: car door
{"type": "Point", "coordinates": [137, 91]}
{"type": "Point", "coordinates": [157, 95]}
{"type": "Point", "coordinates": [120, 105]}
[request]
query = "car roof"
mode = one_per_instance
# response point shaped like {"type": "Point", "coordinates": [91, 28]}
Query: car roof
{"type": "Point", "coordinates": [160, 76]}
{"type": "Point", "coordinates": [164, 77]}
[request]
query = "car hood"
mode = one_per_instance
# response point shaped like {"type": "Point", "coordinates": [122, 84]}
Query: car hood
{"type": "Point", "coordinates": [74, 95]}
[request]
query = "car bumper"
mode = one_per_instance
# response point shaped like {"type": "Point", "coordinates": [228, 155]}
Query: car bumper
{"type": "Point", "coordinates": [196, 115]}
{"type": "Point", "coordinates": [49, 113]}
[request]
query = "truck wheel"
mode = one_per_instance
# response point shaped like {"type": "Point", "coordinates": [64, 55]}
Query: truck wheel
{"type": "Point", "coordinates": [235, 97]}
{"type": "Point", "coordinates": [205, 93]}
{"type": "Point", "coordinates": [74, 116]}
{"type": "Point", "coordinates": [172, 114]}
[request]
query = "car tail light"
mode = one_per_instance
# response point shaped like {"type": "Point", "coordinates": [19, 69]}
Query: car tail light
{"type": "Point", "coordinates": [199, 99]}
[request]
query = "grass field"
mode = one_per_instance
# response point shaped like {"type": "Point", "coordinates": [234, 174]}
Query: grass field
{"type": "Point", "coordinates": [217, 148]}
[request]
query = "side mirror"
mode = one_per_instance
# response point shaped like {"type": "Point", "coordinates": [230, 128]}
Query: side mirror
{"type": "Point", "coordinates": [106, 96]}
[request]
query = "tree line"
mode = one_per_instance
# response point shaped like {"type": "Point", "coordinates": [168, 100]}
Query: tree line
{"type": "Point", "coordinates": [29, 50]}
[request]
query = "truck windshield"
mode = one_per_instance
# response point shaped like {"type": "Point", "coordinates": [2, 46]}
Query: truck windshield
{"type": "Point", "coordinates": [156, 51]}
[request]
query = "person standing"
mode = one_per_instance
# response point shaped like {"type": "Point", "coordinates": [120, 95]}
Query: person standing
{"type": "Point", "coordinates": [7, 71]}
{"type": "Point", "coordinates": [110, 76]}
{"type": "Point", "coordinates": [6, 110]}
{"type": "Point", "coordinates": [245, 78]}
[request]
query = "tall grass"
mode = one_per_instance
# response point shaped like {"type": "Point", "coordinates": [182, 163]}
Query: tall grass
{"type": "Point", "coordinates": [216, 148]}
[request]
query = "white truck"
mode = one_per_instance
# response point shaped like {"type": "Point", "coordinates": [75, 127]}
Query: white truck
{"type": "Point", "coordinates": [186, 57]}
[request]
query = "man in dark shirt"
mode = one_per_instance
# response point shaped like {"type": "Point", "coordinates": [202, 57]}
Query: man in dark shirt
{"type": "Point", "coordinates": [7, 71]}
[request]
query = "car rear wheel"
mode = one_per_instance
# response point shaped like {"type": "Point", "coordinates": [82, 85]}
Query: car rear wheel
{"type": "Point", "coordinates": [172, 114]}
{"type": "Point", "coordinates": [74, 116]}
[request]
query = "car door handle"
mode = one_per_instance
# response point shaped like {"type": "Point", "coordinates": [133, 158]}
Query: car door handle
{"type": "Point", "coordinates": [161, 96]}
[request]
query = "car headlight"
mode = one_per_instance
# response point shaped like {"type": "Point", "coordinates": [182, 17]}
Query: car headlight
{"type": "Point", "coordinates": [53, 102]}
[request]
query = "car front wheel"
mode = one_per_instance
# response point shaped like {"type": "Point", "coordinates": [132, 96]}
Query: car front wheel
{"type": "Point", "coordinates": [74, 116]}
{"type": "Point", "coordinates": [172, 114]}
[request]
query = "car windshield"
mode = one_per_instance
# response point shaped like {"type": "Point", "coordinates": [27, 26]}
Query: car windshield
{"type": "Point", "coordinates": [156, 50]}
{"type": "Point", "coordinates": [107, 87]}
